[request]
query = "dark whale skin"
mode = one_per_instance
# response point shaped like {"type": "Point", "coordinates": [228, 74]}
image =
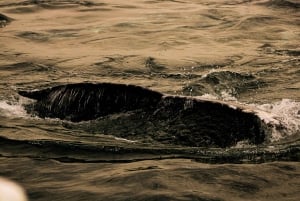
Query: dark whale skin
{"type": "Point", "coordinates": [87, 101]}
{"type": "Point", "coordinates": [184, 120]}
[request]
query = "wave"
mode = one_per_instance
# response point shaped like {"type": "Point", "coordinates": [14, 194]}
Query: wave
{"type": "Point", "coordinates": [52, 3]}
{"type": "Point", "coordinates": [282, 4]}
{"type": "Point", "coordinates": [74, 152]}
{"type": "Point", "coordinates": [12, 110]}
{"type": "Point", "coordinates": [27, 67]}
{"type": "Point", "coordinates": [288, 113]}
{"type": "Point", "coordinates": [223, 82]}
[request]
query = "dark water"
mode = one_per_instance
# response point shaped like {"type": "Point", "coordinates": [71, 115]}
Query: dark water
{"type": "Point", "coordinates": [241, 53]}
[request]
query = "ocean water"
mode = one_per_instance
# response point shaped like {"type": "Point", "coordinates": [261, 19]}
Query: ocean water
{"type": "Point", "coordinates": [241, 53]}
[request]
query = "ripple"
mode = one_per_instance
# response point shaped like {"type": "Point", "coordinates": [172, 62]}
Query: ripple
{"type": "Point", "coordinates": [282, 4]}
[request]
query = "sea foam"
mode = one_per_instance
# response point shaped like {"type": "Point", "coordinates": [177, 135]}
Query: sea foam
{"type": "Point", "coordinates": [287, 112]}
{"type": "Point", "coordinates": [12, 110]}
{"type": "Point", "coordinates": [282, 116]}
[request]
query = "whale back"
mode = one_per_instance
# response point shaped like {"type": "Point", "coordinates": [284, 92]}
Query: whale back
{"type": "Point", "coordinates": [201, 122]}
{"type": "Point", "coordinates": [178, 120]}
{"type": "Point", "coordinates": [86, 101]}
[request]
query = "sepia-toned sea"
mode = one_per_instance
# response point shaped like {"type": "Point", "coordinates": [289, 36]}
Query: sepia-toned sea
{"type": "Point", "coordinates": [240, 52]}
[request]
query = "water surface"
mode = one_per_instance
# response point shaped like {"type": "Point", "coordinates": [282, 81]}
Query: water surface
{"type": "Point", "coordinates": [241, 52]}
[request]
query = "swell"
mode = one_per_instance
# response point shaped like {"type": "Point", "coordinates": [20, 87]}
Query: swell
{"type": "Point", "coordinates": [32, 6]}
{"type": "Point", "coordinates": [282, 4]}
{"type": "Point", "coordinates": [52, 3]}
{"type": "Point", "coordinates": [218, 82]}
{"type": "Point", "coordinates": [27, 68]}
{"type": "Point", "coordinates": [76, 152]}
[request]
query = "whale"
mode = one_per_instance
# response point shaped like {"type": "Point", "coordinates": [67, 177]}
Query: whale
{"type": "Point", "coordinates": [183, 120]}
{"type": "Point", "coordinates": [87, 101]}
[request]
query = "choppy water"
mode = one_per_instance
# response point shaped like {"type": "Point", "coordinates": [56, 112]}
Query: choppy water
{"type": "Point", "coordinates": [241, 52]}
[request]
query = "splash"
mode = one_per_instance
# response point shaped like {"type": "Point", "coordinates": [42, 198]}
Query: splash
{"type": "Point", "coordinates": [283, 116]}
{"type": "Point", "coordinates": [287, 112]}
{"type": "Point", "coordinates": [12, 110]}
{"type": "Point", "coordinates": [227, 96]}
{"type": "Point", "coordinates": [208, 97]}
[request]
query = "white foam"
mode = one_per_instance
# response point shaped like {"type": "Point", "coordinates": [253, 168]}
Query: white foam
{"type": "Point", "coordinates": [12, 109]}
{"type": "Point", "coordinates": [210, 72]}
{"type": "Point", "coordinates": [282, 116]}
{"type": "Point", "coordinates": [227, 96]}
{"type": "Point", "coordinates": [208, 97]}
{"type": "Point", "coordinates": [125, 140]}
{"type": "Point", "coordinates": [244, 144]}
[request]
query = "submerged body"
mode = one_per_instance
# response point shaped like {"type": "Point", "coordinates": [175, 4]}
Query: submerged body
{"type": "Point", "coordinates": [168, 119]}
